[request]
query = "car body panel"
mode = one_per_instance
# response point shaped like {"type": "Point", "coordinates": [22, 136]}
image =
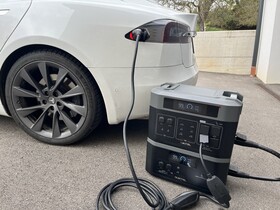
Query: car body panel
{"type": "Point", "coordinates": [75, 27]}
{"type": "Point", "coordinates": [11, 12]}
{"type": "Point", "coordinates": [118, 95]}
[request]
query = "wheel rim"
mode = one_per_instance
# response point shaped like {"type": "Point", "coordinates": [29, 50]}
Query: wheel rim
{"type": "Point", "coordinates": [49, 99]}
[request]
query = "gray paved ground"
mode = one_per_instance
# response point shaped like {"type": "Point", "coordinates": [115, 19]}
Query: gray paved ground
{"type": "Point", "coordinates": [34, 175]}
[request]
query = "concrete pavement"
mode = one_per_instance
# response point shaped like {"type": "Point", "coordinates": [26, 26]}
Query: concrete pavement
{"type": "Point", "coordinates": [34, 175]}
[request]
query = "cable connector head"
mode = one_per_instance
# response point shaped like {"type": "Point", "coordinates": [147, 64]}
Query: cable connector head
{"type": "Point", "coordinates": [184, 200]}
{"type": "Point", "coordinates": [240, 136]}
{"type": "Point", "coordinates": [218, 190]}
{"type": "Point", "coordinates": [242, 140]}
{"type": "Point", "coordinates": [143, 33]}
{"type": "Point", "coordinates": [137, 32]}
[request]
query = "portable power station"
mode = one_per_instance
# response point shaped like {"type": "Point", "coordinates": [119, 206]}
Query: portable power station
{"type": "Point", "coordinates": [180, 118]}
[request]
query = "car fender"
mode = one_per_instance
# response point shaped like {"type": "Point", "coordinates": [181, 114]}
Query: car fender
{"type": "Point", "coordinates": [23, 42]}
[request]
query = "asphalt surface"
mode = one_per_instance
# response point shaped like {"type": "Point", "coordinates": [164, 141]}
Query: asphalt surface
{"type": "Point", "coordinates": [35, 175]}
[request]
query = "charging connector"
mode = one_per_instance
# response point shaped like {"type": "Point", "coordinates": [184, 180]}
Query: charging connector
{"type": "Point", "coordinates": [218, 190]}
{"type": "Point", "coordinates": [143, 34]}
{"type": "Point", "coordinates": [214, 184]}
{"type": "Point", "coordinates": [184, 200]}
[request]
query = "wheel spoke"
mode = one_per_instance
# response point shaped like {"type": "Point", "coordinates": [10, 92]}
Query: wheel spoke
{"type": "Point", "coordinates": [44, 72]}
{"type": "Point", "coordinates": [18, 91]}
{"type": "Point", "coordinates": [60, 77]}
{"type": "Point", "coordinates": [37, 126]}
{"type": "Point", "coordinates": [29, 110]}
{"type": "Point", "coordinates": [76, 91]}
{"type": "Point", "coordinates": [68, 122]}
{"type": "Point", "coordinates": [55, 126]}
{"type": "Point", "coordinates": [24, 74]}
{"type": "Point", "coordinates": [81, 110]}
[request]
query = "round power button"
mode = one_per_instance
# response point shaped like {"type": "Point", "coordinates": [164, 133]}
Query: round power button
{"type": "Point", "coordinates": [168, 167]}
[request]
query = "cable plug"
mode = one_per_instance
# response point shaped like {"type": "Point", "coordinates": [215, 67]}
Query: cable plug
{"type": "Point", "coordinates": [233, 171]}
{"type": "Point", "coordinates": [184, 200]}
{"type": "Point", "coordinates": [137, 32]}
{"type": "Point", "coordinates": [242, 140]}
{"type": "Point", "coordinates": [143, 33]}
{"type": "Point", "coordinates": [218, 190]}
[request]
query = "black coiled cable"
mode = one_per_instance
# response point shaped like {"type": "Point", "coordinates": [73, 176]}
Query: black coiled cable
{"type": "Point", "coordinates": [149, 189]}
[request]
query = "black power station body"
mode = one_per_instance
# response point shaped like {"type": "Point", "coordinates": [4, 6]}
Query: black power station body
{"type": "Point", "coordinates": [180, 118]}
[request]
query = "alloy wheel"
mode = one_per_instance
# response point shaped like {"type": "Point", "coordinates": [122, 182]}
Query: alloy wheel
{"type": "Point", "coordinates": [49, 99]}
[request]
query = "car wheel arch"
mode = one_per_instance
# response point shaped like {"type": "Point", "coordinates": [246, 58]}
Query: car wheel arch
{"type": "Point", "coordinates": [15, 55]}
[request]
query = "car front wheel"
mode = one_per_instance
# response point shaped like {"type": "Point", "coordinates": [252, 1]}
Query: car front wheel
{"type": "Point", "coordinates": [53, 97]}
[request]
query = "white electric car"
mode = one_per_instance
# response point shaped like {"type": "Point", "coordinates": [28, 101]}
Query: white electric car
{"type": "Point", "coordinates": [65, 64]}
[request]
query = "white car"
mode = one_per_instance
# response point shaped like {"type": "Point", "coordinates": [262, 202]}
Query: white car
{"type": "Point", "coordinates": [65, 64]}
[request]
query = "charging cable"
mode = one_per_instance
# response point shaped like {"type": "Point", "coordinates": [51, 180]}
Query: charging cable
{"type": "Point", "coordinates": [152, 195]}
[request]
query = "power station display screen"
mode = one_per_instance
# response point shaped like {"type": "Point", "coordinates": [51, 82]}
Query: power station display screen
{"type": "Point", "coordinates": [191, 107]}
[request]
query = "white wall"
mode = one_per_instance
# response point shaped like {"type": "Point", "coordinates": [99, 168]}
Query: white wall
{"type": "Point", "coordinates": [225, 51]}
{"type": "Point", "coordinates": [268, 64]}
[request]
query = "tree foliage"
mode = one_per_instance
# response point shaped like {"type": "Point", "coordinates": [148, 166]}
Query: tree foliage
{"type": "Point", "coordinates": [241, 15]}
{"type": "Point", "coordinates": [227, 14]}
{"type": "Point", "coordinates": [201, 7]}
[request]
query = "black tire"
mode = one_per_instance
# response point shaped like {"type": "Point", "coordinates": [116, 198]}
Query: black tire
{"type": "Point", "coordinates": [53, 97]}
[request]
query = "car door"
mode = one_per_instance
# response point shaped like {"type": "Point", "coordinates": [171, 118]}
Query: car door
{"type": "Point", "coordinates": [11, 12]}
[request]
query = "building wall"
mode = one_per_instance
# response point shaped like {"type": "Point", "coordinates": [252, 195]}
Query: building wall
{"type": "Point", "coordinates": [269, 51]}
{"type": "Point", "coordinates": [225, 51]}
